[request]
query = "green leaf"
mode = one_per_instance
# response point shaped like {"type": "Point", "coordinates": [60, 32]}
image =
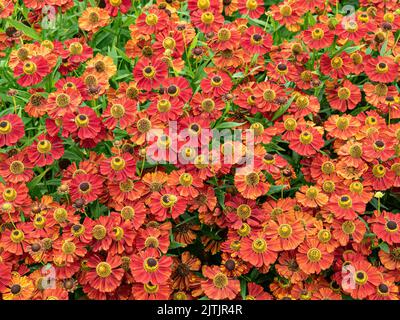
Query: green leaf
{"type": "Point", "coordinates": [228, 125]}
{"type": "Point", "coordinates": [25, 29]}
{"type": "Point", "coordinates": [243, 288]}
{"type": "Point", "coordinates": [384, 247]}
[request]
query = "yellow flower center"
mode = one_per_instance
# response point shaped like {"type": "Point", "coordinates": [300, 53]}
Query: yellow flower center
{"type": "Point", "coordinates": [117, 111]}
{"type": "Point", "coordinates": [203, 4]}
{"type": "Point", "coordinates": [149, 72]}
{"type": "Point", "coordinates": [117, 163]}
{"type": "Point", "coordinates": [252, 179]}
{"type": "Point", "coordinates": [68, 247]}
{"type": "Point", "coordinates": [75, 48]}
{"type": "Point", "coordinates": [143, 125]}
{"type": "Point", "coordinates": [382, 67]}
{"type": "Point", "coordinates": [150, 288]}
{"type": "Point", "coordinates": [118, 233]}
{"type": "Point", "coordinates": [391, 226]}
{"type": "Point", "coordinates": [186, 179]}
{"type": "Point", "coordinates": [348, 227]}
{"type": "Point", "coordinates": [361, 277]}
{"type": "Point", "coordinates": [207, 17]}
{"type": "Point", "coordinates": [285, 231]}
{"type": "Point", "coordinates": [163, 105]}
{"type": "Point", "coordinates": [312, 193]}
{"type": "Point", "coordinates": [357, 58]}
{"type": "Point", "coordinates": [314, 254]}
{"type": "Point", "coordinates": [29, 67]}
{"type": "Point", "coordinates": [329, 186]}
{"type": "Point", "coordinates": [379, 171]}
{"type": "Point", "coordinates": [344, 93]}
{"type": "Point", "coordinates": [302, 102]}
{"type": "Point", "coordinates": [103, 269]}
{"type": "Point", "coordinates": [244, 230]}
{"type": "Point", "coordinates": [151, 242]}
{"type": "Point", "coordinates": [220, 280]}
{"type": "Point", "coordinates": [39, 222]}
{"type": "Point", "coordinates": [345, 202]}
{"type": "Point", "coordinates": [127, 212]}
{"type": "Point", "coordinates": [5, 127]}
{"type": "Point", "coordinates": [342, 123]}
{"type": "Point", "coordinates": [336, 62]}
{"type": "Point", "coordinates": [150, 265]}
{"type": "Point", "coordinates": [251, 4]}
{"type": "Point", "coordinates": [169, 43]}
{"type": "Point", "coordinates": [17, 167]}
{"type": "Point", "coordinates": [306, 137]}
{"type": "Point", "coordinates": [259, 245]}
{"type": "Point", "coordinates": [9, 194]}
{"type": "Point", "coordinates": [17, 236]}
{"type": "Point", "coordinates": [60, 215]}
{"type": "Point", "coordinates": [208, 105]}
{"type": "Point", "coordinates": [99, 232]}
{"type": "Point", "coordinates": [243, 211]}
{"type": "Point", "coordinates": [62, 100]}
{"type": "Point", "coordinates": [168, 200]}
{"type": "Point", "coordinates": [115, 3]}
{"type": "Point", "coordinates": [258, 128]}
{"type": "Point", "coordinates": [224, 34]}
{"type": "Point", "coordinates": [317, 34]}
{"type": "Point", "coordinates": [126, 186]}
{"type": "Point", "coordinates": [328, 167]}
{"type": "Point", "coordinates": [285, 10]}
{"type": "Point", "coordinates": [151, 19]}
{"type": "Point", "coordinates": [82, 120]}
{"type": "Point", "coordinates": [290, 124]}
{"type": "Point", "coordinates": [324, 236]}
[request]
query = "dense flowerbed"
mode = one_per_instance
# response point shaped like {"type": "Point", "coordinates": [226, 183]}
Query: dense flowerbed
{"type": "Point", "coordinates": [114, 183]}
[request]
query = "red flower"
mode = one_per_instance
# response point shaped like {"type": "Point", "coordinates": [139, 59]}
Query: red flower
{"type": "Point", "coordinates": [84, 124]}
{"type": "Point", "coordinates": [256, 40]}
{"type": "Point", "coordinates": [148, 266]}
{"type": "Point", "coordinates": [312, 257]}
{"type": "Point", "coordinates": [216, 83]}
{"type": "Point", "coordinates": [381, 69]}
{"type": "Point", "coordinates": [32, 71]}
{"type": "Point", "coordinates": [44, 151]}
{"type": "Point", "coordinates": [307, 142]}
{"type": "Point", "coordinates": [149, 73]}
{"type": "Point", "coordinates": [218, 286]}
{"type": "Point", "coordinates": [119, 168]}
{"type": "Point", "coordinates": [256, 250]}
{"type": "Point", "coordinates": [387, 227]}
{"type": "Point", "coordinates": [86, 186]}
{"type": "Point", "coordinates": [104, 275]}
{"type": "Point", "coordinates": [11, 129]}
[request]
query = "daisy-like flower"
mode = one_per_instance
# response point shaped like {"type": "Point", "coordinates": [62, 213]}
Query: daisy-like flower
{"type": "Point", "coordinates": [104, 275]}
{"type": "Point", "coordinates": [149, 73]}
{"type": "Point", "coordinates": [11, 129]}
{"type": "Point", "coordinates": [119, 113]}
{"type": "Point", "coordinates": [307, 141]}
{"type": "Point", "coordinates": [167, 202]}
{"type": "Point", "coordinates": [83, 123]}
{"type": "Point", "coordinates": [379, 177]}
{"type": "Point", "coordinates": [285, 233]}
{"type": "Point", "coordinates": [115, 6]}
{"type": "Point", "coordinates": [217, 83]}
{"type": "Point", "coordinates": [187, 184]}
{"type": "Point", "coordinates": [153, 21]}
{"type": "Point", "coordinates": [147, 266]}
{"type": "Point", "coordinates": [63, 101]}
{"type": "Point", "coordinates": [31, 71]}
{"type": "Point", "coordinates": [345, 97]}
{"type": "Point", "coordinates": [86, 186]}
{"type": "Point", "coordinates": [337, 67]}
{"type": "Point", "coordinates": [366, 279]}
{"type": "Point", "coordinates": [345, 206]}
{"type": "Point", "coordinates": [257, 251]}
{"type": "Point", "coordinates": [251, 184]}
{"type": "Point", "coordinates": [381, 69]}
{"type": "Point", "coordinates": [183, 271]}
{"type": "Point", "coordinates": [206, 21]}
{"type": "Point", "coordinates": [119, 168]}
{"type": "Point", "coordinates": [346, 230]}
{"type": "Point", "coordinates": [149, 291]}
{"type": "Point", "coordinates": [387, 227]}
{"type": "Point", "coordinates": [93, 18]}
{"type": "Point", "coordinates": [318, 37]}
{"type": "Point", "coordinates": [19, 288]}
{"type": "Point", "coordinates": [311, 197]}
{"type": "Point", "coordinates": [378, 146]}
{"type": "Point", "coordinates": [312, 257]}
{"type": "Point", "coordinates": [218, 286]}
{"type": "Point", "coordinates": [342, 127]}
{"type": "Point", "coordinates": [45, 150]}
{"type": "Point", "coordinates": [256, 40]}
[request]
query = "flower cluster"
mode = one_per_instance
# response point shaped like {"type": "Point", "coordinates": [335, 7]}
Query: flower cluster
{"type": "Point", "coordinates": [84, 214]}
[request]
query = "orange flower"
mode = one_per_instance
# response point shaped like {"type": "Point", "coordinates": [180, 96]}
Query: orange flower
{"type": "Point", "coordinates": [312, 257]}
{"type": "Point", "coordinates": [218, 286]}
{"type": "Point", "coordinates": [311, 197]}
